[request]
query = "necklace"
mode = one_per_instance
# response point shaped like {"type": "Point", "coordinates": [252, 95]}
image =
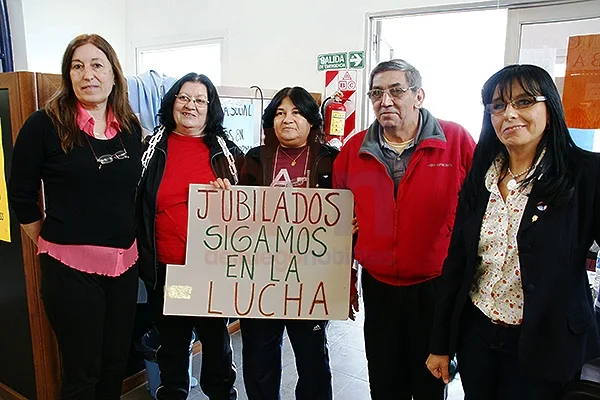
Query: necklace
{"type": "Point", "coordinates": [184, 135]}
{"type": "Point", "coordinates": [293, 163]}
{"type": "Point", "coordinates": [512, 184]}
{"type": "Point", "coordinates": [304, 173]}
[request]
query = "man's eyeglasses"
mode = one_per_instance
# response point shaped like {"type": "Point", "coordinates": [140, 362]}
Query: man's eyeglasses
{"type": "Point", "coordinates": [498, 107]}
{"type": "Point", "coordinates": [395, 92]}
{"type": "Point", "coordinates": [184, 99]}
{"type": "Point", "coordinates": [108, 158]}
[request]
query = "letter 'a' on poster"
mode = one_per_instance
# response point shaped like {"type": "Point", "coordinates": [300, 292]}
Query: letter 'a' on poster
{"type": "Point", "coordinates": [264, 252]}
{"type": "Point", "coordinates": [4, 214]}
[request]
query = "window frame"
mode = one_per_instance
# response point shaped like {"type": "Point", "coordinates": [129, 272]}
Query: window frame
{"type": "Point", "coordinates": [172, 45]}
{"type": "Point", "coordinates": [518, 8]}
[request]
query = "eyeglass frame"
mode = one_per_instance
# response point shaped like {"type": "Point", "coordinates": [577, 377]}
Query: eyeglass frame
{"type": "Point", "coordinates": [198, 102]}
{"type": "Point", "coordinates": [109, 158]}
{"type": "Point", "coordinates": [400, 91]}
{"type": "Point", "coordinates": [536, 99]}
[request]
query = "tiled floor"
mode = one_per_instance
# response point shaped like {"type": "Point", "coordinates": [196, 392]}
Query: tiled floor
{"type": "Point", "coordinates": [348, 363]}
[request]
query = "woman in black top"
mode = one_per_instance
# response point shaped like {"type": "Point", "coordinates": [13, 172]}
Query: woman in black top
{"type": "Point", "coordinates": [86, 149]}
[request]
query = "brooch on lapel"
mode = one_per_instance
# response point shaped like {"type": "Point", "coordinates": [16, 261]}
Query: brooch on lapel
{"type": "Point", "coordinates": [541, 206]}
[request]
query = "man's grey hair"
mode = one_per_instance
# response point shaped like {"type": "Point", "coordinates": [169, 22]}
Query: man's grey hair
{"type": "Point", "coordinates": [413, 76]}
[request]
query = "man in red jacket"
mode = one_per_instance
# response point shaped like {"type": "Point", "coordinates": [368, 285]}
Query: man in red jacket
{"type": "Point", "coordinates": [405, 172]}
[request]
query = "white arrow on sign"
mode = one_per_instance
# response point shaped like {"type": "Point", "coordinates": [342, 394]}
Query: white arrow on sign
{"type": "Point", "coordinates": [356, 59]}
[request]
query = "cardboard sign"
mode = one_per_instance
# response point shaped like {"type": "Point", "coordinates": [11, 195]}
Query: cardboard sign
{"type": "Point", "coordinates": [264, 253]}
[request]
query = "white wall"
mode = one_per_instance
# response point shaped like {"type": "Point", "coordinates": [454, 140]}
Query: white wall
{"type": "Point", "coordinates": [50, 25]}
{"type": "Point", "coordinates": [17, 31]}
{"type": "Point", "coordinates": [267, 43]}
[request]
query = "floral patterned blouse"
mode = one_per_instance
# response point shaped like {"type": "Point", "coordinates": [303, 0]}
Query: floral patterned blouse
{"type": "Point", "coordinates": [497, 289]}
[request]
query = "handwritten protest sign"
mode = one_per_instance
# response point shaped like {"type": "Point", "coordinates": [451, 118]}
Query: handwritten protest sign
{"type": "Point", "coordinates": [264, 253]}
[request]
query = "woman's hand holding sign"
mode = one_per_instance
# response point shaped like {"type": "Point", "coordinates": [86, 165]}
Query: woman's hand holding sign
{"type": "Point", "coordinates": [221, 184]}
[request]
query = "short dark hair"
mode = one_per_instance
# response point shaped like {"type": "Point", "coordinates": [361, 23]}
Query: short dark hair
{"type": "Point", "coordinates": [413, 76]}
{"type": "Point", "coordinates": [560, 166]}
{"type": "Point", "coordinates": [214, 116]}
{"type": "Point", "coordinates": [306, 105]}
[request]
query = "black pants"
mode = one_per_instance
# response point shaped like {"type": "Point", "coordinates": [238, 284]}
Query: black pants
{"type": "Point", "coordinates": [262, 340]}
{"type": "Point", "coordinates": [217, 375]}
{"type": "Point", "coordinates": [92, 317]}
{"type": "Point", "coordinates": [397, 326]}
{"type": "Point", "coordinates": [488, 358]}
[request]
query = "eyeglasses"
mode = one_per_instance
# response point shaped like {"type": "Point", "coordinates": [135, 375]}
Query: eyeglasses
{"type": "Point", "coordinates": [184, 99]}
{"type": "Point", "coordinates": [108, 158]}
{"type": "Point", "coordinates": [498, 107]}
{"type": "Point", "coordinates": [395, 92]}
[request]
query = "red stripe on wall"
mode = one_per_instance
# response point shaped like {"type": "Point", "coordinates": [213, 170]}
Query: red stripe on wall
{"type": "Point", "coordinates": [330, 76]}
{"type": "Point", "coordinates": [347, 94]}
{"type": "Point", "coordinates": [350, 123]}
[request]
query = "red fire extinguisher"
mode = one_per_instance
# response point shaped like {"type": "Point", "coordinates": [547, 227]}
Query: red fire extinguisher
{"type": "Point", "coordinates": [335, 119]}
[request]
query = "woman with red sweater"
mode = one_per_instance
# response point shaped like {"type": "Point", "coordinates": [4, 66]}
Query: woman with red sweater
{"type": "Point", "coordinates": [190, 146]}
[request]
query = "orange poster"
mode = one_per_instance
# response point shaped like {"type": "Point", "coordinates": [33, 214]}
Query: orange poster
{"type": "Point", "coordinates": [581, 94]}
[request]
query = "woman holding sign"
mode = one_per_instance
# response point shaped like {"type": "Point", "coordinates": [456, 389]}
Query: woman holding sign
{"type": "Point", "coordinates": [294, 155]}
{"type": "Point", "coordinates": [190, 146]}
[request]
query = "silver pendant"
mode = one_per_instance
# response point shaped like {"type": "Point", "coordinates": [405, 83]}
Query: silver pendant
{"type": "Point", "coordinates": [512, 184]}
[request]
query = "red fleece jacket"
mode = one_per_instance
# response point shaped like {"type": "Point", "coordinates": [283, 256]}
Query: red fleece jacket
{"type": "Point", "coordinates": [404, 240]}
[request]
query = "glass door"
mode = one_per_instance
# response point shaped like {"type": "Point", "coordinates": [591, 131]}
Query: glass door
{"type": "Point", "coordinates": [541, 35]}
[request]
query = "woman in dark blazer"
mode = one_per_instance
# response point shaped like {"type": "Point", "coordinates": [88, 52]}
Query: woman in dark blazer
{"type": "Point", "coordinates": [514, 302]}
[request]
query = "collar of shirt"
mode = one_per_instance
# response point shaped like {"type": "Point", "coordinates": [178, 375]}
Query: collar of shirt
{"type": "Point", "coordinates": [386, 146]}
{"type": "Point", "coordinates": [493, 175]}
{"type": "Point", "coordinates": [86, 122]}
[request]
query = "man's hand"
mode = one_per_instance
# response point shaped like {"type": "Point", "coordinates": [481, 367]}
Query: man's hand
{"type": "Point", "coordinates": [438, 366]}
{"type": "Point", "coordinates": [354, 307]}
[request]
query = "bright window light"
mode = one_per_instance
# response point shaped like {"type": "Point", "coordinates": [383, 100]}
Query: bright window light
{"type": "Point", "coordinates": [176, 61]}
{"type": "Point", "coordinates": [454, 64]}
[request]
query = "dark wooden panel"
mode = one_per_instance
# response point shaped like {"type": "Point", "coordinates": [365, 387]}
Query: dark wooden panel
{"type": "Point", "coordinates": [23, 101]}
{"type": "Point", "coordinates": [7, 393]}
{"type": "Point", "coordinates": [47, 85]}
{"type": "Point", "coordinates": [16, 351]}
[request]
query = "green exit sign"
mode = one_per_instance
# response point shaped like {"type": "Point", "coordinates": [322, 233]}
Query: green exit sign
{"type": "Point", "coordinates": [345, 60]}
{"type": "Point", "coordinates": [356, 59]}
{"type": "Point", "coordinates": [332, 61]}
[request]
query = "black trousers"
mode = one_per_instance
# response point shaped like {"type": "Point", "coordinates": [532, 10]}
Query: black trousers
{"type": "Point", "coordinates": [92, 317]}
{"type": "Point", "coordinates": [217, 376]}
{"type": "Point", "coordinates": [397, 326]}
{"type": "Point", "coordinates": [262, 340]}
{"type": "Point", "coordinates": [488, 357]}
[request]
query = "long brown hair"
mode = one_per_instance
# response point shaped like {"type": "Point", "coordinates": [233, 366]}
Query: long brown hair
{"type": "Point", "coordinates": [62, 106]}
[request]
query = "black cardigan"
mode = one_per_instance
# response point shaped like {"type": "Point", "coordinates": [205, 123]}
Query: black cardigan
{"type": "Point", "coordinates": [148, 190]}
{"type": "Point", "coordinates": [83, 204]}
{"type": "Point", "coordinates": [258, 167]}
